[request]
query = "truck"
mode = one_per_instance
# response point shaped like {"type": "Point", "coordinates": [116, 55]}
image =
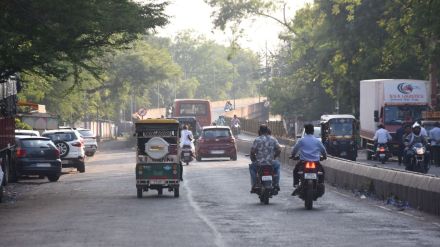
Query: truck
{"type": "Point", "coordinates": [8, 111]}
{"type": "Point", "coordinates": [391, 102]}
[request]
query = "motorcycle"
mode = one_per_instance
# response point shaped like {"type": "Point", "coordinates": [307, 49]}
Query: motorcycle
{"type": "Point", "coordinates": [264, 187]}
{"type": "Point", "coordinates": [382, 153]}
{"type": "Point", "coordinates": [311, 184]}
{"type": "Point", "coordinates": [236, 129]}
{"type": "Point", "coordinates": [419, 161]}
{"type": "Point", "coordinates": [186, 154]}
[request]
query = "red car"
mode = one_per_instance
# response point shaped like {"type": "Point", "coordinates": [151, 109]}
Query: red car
{"type": "Point", "coordinates": [216, 141]}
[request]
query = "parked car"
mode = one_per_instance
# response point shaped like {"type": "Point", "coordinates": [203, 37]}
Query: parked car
{"type": "Point", "coordinates": [1, 183]}
{"type": "Point", "coordinates": [71, 147]}
{"type": "Point", "coordinates": [90, 143]}
{"type": "Point", "coordinates": [37, 156]}
{"type": "Point", "coordinates": [216, 141]}
{"type": "Point", "coordinates": [26, 133]}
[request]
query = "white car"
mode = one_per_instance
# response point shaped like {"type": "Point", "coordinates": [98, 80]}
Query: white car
{"type": "Point", "coordinates": [71, 147]}
{"type": "Point", "coordinates": [90, 143]}
{"type": "Point", "coordinates": [26, 132]}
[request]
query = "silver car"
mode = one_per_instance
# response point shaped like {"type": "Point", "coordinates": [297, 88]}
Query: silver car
{"type": "Point", "coordinates": [91, 145]}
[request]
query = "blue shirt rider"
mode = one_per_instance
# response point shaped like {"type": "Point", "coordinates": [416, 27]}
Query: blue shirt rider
{"type": "Point", "coordinates": [310, 148]}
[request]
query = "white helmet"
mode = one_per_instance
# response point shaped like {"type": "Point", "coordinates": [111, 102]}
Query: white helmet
{"type": "Point", "coordinates": [416, 125]}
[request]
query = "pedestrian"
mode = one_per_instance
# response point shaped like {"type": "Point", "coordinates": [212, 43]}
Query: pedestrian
{"type": "Point", "coordinates": [434, 136]}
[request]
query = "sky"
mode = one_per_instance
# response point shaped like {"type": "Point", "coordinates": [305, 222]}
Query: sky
{"type": "Point", "coordinates": [195, 15]}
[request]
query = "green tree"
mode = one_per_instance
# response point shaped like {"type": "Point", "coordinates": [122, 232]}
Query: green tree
{"type": "Point", "coordinates": [47, 37]}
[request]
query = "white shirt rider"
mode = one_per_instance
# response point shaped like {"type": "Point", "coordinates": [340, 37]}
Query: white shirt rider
{"type": "Point", "coordinates": [382, 136]}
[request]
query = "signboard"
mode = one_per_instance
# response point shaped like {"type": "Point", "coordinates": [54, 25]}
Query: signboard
{"type": "Point", "coordinates": [405, 92]}
{"type": "Point", "coordinates": [142, 112]}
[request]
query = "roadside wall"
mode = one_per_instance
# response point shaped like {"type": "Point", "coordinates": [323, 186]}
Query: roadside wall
{"type": "Point", "coordinates": [420, 191]}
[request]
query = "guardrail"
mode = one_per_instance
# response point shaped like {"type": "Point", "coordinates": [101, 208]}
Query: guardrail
{"type": "Point", "coordinates": [420, 191]}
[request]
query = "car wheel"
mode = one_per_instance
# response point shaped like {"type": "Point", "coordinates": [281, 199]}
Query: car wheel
{"type": "Point", "coordinates": [53, 177]}
{"type": "Point", "coordinates": [63, 147]}
{"type": "Point", "coordinates": [139, 192]}
{"type": "Point", "coordinates": [81, 167]}
{"type": "Point", "coordinates": [176, 192]}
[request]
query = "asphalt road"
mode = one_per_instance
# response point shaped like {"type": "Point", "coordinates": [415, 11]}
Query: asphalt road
{"type": "Point", "coordinates": [100, 208]}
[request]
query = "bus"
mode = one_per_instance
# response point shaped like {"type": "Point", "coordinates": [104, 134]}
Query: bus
{"type": "Point", "coordinates": [198, 108]}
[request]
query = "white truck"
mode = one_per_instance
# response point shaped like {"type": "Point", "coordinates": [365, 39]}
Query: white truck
{"type": "Point", "coordinates": [391, 102]}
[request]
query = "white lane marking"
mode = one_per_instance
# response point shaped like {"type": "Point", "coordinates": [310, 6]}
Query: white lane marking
{"type": "Point", "coordinates": [218, 239]}
{"type": "Point", "coordinates": [436, 224]}
{"type": "Point", "coordinates": [382, 207]}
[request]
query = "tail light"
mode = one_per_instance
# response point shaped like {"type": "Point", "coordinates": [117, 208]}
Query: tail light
{"type": "Point", "coordinates": [20, 153]}
{"type": "Point", "coordinates": [77, 144]}
{"type": "Point", "coordinates": [382, 149]}
{"type": "Point", "coordinates": [267, 172]}
{"type": "Point", "coordinates": [57, 153]}
{"type": "Point", "coordinates": [172, 149]}
{"type": "Point", "coordinates": [310, 165]}
{"type": "Point", "coordinates": [201, 140]}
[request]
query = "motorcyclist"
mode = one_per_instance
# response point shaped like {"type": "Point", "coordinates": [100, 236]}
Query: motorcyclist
{"type": "Point", "coordinates": [265, 149]}
{"type": "Point", "coordinates": [382, 136]}
{"type": "Point", "coordinates": [411, 139]}
{"type": "Point", "coordinates": [235, 121]}
{"type": "Point", "coordinates": [310, 148]}
{"type": "Point", "coordinates": [228, 106]}
{"type": "Point", "coordinates": [187, 138]}
{"type": "Point", "coordinates": [221, 121]}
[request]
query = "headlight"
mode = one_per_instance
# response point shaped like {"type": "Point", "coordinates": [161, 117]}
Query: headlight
{"type": "Point", "coordinates": [420, 150]}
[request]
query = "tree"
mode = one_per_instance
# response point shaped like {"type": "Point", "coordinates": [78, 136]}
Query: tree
{"type": "Point", "coordinates": [47, 37]}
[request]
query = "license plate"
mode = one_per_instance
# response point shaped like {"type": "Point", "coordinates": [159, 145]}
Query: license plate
{"type": "Point", "coordinates": [310, 175]}
{"type": "Point", "coordinates": [65, 162]}
{"type": "Point", "coordinates": [186, 154]}
{"type": "Point", "coordinates": [217, 152]}
{"type": "Point", "coordinates": [157, 181]}
{"type": "Point", "coordinates": [43, 165]}
{"type": "Point", "coordinates": [266, 178]}
{"type": "Point", "coordinates": [343, 153]}
{"type": "Point", "coordinates": [382, 155]}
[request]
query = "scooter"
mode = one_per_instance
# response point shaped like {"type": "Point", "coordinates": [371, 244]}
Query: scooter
{"type": "Point", "coordinates": [311, 184]}
{"type": "Point", "coordinates": [186, 154]}
{"type": "Point", "coordinates": [236, 129]}
{"type": "Point", "coordinates": [382, 153]}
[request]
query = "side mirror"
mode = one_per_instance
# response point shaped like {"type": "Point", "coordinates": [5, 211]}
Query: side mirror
{"type": "Point", "coordinates": [376, 116]}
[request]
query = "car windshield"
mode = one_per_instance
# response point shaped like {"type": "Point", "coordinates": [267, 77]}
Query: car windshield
{"type": "Point", "coordinates": [400, 114]}
{"type": "Point", "coordinates": [86, 133]}
{"type": "Point", "coordinates": [37, 143]}
{"type": "Point", "coordinates": [61, 136]}
{"type": "Point", "coordinates": [216, 133]}
{"type": "Point", "coordinates": [341, 129]}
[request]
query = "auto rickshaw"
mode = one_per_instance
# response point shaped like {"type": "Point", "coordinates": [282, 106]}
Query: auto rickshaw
{"type": "Point", "coordinates": [158, 163]}
{"type": "Point", "coordinates": [339, 136]}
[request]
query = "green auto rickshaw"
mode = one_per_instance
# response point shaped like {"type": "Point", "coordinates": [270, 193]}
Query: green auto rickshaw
{"type": "Point", "coordinates": [158, 165]}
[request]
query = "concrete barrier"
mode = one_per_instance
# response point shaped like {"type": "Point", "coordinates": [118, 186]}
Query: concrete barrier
{"type": "Point", "coordinates": [420, 191]}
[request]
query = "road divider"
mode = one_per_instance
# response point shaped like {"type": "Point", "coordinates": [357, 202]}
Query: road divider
{"type": "Point", "coordinates": [422, 192]}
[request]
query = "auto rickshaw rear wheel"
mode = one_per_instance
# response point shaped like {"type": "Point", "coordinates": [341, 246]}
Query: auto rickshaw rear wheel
{"type": "Point", "coordinates": [139, 192]}
{"type": "Point", "coordinates": [176, 192]}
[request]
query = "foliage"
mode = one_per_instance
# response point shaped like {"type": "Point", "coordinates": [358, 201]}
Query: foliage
{"type": "Point", "coordinates": [48, 37]}
{"type": "Point", "coordinates": [22, 125]}
{"type": "Point", "coordinates": [331, 45]}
